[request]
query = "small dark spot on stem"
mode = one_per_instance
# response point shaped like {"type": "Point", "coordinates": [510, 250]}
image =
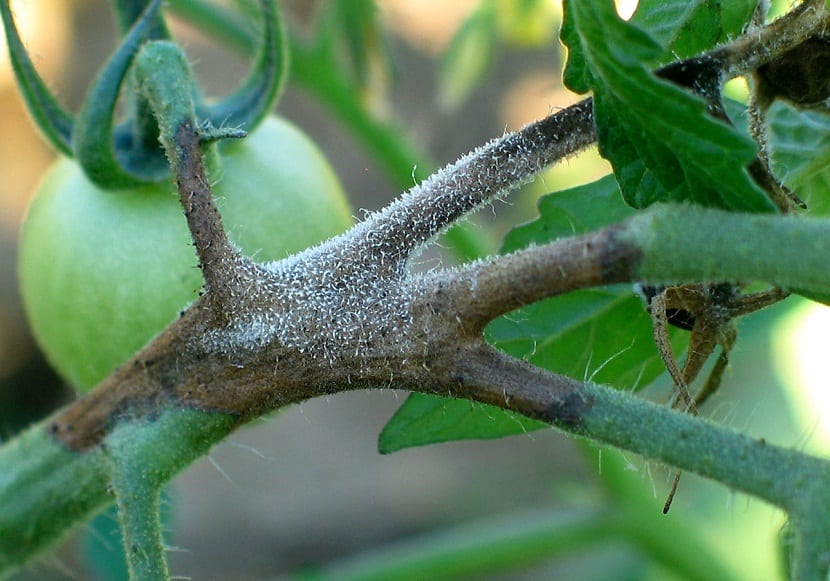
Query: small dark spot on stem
{"type": "Point", "coordinates": [567, 411]}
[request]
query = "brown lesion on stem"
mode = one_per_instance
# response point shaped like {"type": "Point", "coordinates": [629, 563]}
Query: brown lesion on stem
{"type": "Point", "coordinates": [441, 351]}
{"type": "Point", "coordinates": [438, 346]}
{"type": "Point", "coordinates": [491, 288]}
{"type": "Point", "coordinates": [219, 261]}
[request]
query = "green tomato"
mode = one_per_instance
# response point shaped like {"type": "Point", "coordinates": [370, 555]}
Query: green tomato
{"type": "Point", "coordinates": [103, 272]}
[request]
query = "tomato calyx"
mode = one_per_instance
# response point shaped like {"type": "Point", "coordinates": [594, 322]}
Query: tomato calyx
{"type": "Point", "coordinates": [129, 154]}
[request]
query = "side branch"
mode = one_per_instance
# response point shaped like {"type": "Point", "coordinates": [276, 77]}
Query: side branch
{"type": "Point", "coordinates": [390, 236]}
{"type": "Point", "coordinates": [666, 244]}
{"type": "Point", "coordinates": [165, 80]}
{"type": "Point", "coordinates": [797, 483]}
{"type": "Point", "coordinates": [682, 243]}
{"type": "Point", "coordinates": [216, 255]}
{"type": "Point", "coordinates": [759, 47]}
{"type": "Point", "coordinates": [490, 171]}
{"type": "Point", "coordinates": [487, 289]}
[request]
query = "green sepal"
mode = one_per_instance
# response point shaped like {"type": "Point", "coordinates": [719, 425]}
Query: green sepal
{"type": "Point", "coordinates": [128, 12]}
{"type": "Point", "coordinates": [253, 101]}
{"type": "Point", "coordinates": [108, 159]}
{"type": "Point", "coordinates": [140, 132]}
{"type": "Point", "coordinates": [54, 122]}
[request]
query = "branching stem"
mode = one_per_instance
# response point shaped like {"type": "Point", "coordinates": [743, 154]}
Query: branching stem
{"type": "Point", "coordinates": [348, 315]}
{"type": "Point", "coordinates": [766, 43]}
{"type": "Point", "coordinates": [477, 178]}
{"type": "Point", "coordinates": [164, 78]}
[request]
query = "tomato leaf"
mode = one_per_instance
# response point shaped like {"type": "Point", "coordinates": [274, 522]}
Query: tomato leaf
{"type": "Point", "coordinates": [800, 144]}
{"type": "Point", "coordinates": [659, 138]}
{"type": "Point", "coordinates": [599, 334]}
{"type": "Point", "coordinates": [685, 28]}
{"type": "Point", "coordinates": [430, 419]}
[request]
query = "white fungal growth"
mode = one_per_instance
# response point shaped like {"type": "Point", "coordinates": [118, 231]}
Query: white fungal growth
{"type": "Point", "coordinates": [320, 305]}
{"type": "Point", "coordinates": [350, 292]}
{"type": "Point", "coordinates": [427, 209]}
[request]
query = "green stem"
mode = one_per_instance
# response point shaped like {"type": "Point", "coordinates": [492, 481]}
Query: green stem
{"type": "Point", "coordinates": [140, 465]}
{"type": "Point", "coordinates": [810, 559]}
{"type": "Point", "coordinates": [517, 541]}
{"type": "Point", "coordinates": [693, 244]}
{"type": "Point", "coordinates": [45, 489]}
{"type": "Point", "coordinates": [164, 79]}
{"type": "Point", "coordinates": [139, 513]}
{"type": "Point", "coordinates": [795, 482]}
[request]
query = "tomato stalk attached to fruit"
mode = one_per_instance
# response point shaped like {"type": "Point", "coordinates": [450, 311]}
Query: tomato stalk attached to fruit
{"type": "Point", "coordinates": [105, 259]}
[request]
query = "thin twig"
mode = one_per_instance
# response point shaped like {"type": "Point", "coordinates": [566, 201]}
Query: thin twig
{"type": "Point", "coordinates": [203, 219]}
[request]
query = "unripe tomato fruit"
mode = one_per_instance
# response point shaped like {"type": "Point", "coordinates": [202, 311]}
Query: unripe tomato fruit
{"type": "Point", "coordinates": [103, 272]}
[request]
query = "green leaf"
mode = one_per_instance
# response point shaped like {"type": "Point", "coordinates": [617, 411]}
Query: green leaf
{"type": "Point", "coordinates": [685, 28]}
{"type": "Point", "coordinates": [663, 19]}
{"type": "Point", "coordinates": [659, 138]}
{"type": "Point", "coordinates": [468, 57]}
{"type": "Point", "coordinates": [800, 144]}
{"type": "Point", "coordinates": [630, 45]}
{"type": "Point", "coordinates": [429, 419]}
{"type": "Point", "coordinates": [363, 40]}
{"type": "Point", "coordinates": [599, 334]}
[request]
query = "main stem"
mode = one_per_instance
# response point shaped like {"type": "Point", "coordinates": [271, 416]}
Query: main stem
{"type": "Point", "coordinates": [797, 483]}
